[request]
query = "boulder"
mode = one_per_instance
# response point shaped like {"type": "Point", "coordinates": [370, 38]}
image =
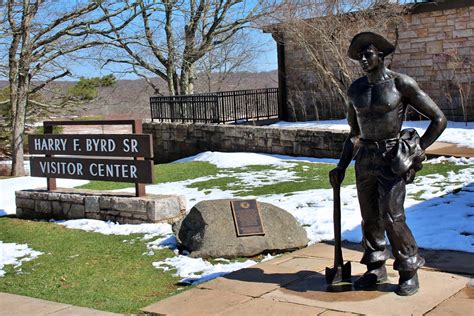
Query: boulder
{"type": "Point", "coordinates": [208, 231]}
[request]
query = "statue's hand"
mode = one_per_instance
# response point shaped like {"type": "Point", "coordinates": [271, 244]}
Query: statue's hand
{"type": "Point", "coordinates": [336, 176]}
{"type": "Point", "coordinates": [410, 176]}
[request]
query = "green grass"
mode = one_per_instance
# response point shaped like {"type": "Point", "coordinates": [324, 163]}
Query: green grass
{"type": "Point", "coordinates": [224, 183]}
{"type": "Point", "coordinates": [170, 172]}
{"type": "Point", "coordinates": [442, 168]}
{"type": "Point", "coordinates": [84, 268]}
{"type": "Point", "coordinates": [308, 176]}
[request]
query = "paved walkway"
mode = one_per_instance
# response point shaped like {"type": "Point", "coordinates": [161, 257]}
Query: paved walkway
{"type": "Point", "coordinates": [17, 305]}
{"type": "Point", "coordinates": [294, 284]}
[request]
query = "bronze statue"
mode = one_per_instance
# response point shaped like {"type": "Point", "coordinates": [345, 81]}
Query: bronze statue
{"type": "Point", "coordinates": [386, 159]}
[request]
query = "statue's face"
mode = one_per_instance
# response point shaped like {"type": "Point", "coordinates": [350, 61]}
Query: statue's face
{"type": "Point", "coordinates": [370, 58]}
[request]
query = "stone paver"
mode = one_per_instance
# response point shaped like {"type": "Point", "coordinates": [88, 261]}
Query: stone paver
{"type": "Point", "coordinates": [80, 311]}
{"type": "Point", "coordinates": [450, 261]}
{"type": "Point", "coordinates": [307, 264]}
{"type": "Point", "coordinates": [197, 302]}
{"type": "Point", "coordinates": [257, 280]}
{"type": "Point", "coordinates": [323, 250]}
{"type": "Point", "coordinates": [350, 251]}
{"type": "Point", "coordinates": [312, 291]}
{"type": "Point", "coordinates": [454, 307]}
{"type": "Point", "coordinates": [294, 284]}
{"type": "Point", "coordinates": [460, 304]}
{"type": "Point", "coordinates": [467, 292]}
{"type": "Point", "coordinates": [17, 305]}
{"type": "Point", "coordinates": [261, 306]}
{"type": "Point", "coordinates": [336, 313]}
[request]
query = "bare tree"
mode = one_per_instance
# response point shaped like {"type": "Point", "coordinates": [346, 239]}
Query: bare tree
{"type": "Point", "coordinates": [234, 55]}
{"type": "Point", "coordinates": [39, 36]}
{"type": "Point", "coordinates": [321, 30]}
{"type": "Point", "coordinates": [175, 35]}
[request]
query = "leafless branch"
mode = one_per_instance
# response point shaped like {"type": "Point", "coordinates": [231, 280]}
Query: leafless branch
{"type": "Point", "coordinates": [51, 79]}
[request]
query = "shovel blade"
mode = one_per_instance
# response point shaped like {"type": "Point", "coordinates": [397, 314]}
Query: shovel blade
{"type": "Point", "coordinates": [339, 273]}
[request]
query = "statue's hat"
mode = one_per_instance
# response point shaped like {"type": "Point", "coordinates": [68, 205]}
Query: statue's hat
{"type": "Point", "coordinates": [364, 39]}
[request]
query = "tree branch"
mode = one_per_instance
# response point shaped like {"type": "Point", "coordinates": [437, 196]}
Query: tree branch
{"type": "Point", "coordinates": [64, 52]}
{"type": "Point", "coordinates": [51, 79]}
{"type": "Point", "coordinates": [149, 35]}
{"type": "Point", "coordinates": [87, 23]}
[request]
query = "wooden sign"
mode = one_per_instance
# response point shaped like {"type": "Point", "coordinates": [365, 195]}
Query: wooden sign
{"type": "Point", "coordinates": [130, 145]}
{"type": "Point", "coordinates": [138, 171]}
{"type": "Point", "coordinates": [247, 218]}
{"type": "Point", "coordinates": [137, 147]}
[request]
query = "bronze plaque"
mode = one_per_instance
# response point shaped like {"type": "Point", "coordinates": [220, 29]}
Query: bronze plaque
{"type": "Point", "coordinates": [138, 171]}
{"type": "Point", "coordinates": [247, 218]}
{"type": "Point", "coordinates": [118, 145]}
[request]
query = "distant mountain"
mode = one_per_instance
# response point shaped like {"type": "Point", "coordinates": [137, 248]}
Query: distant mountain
{"type": "Point", "coordinates": [130, 98]}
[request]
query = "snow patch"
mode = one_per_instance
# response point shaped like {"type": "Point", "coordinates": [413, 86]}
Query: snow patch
{"type": "Point", "coordinates": [15, 254]}
{"type": "Point", "coordinates": [235, 160]}
{"type": "Point", "coordinates": [9, 186]}
{"type": "Point", "coordinates": [198, 270]}
{"type": "Point", "coordinates": [111, 228]}
{"type": "Point", "coordinates": [456, 132]}
{"type": "Point", "coordinates": [238, 160]}
{"type": "Point", "coordinates": [455, 160]}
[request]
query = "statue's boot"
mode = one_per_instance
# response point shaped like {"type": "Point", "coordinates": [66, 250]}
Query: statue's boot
{"type": "Point", "coordinates": [376, 273]}
{"type": "Point", "coordinates": [408, 283]}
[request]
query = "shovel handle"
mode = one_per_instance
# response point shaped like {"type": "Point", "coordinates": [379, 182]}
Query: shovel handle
{"type": "Point", "coordinates": [338, 260]}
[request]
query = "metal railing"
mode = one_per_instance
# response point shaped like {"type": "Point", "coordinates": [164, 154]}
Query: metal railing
{"type": "Point", "coordinates": [218, 107]}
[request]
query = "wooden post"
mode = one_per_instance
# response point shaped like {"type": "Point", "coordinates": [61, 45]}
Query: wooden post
{"type": "Point", "coordinates": [50, 182]}
{"type": "Point", "coordinates": [138, 129]}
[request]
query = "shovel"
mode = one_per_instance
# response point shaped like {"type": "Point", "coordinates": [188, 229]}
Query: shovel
{"type": "Point", "coordinates": [341, 271]}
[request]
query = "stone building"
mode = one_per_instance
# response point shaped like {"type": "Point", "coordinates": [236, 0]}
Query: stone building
{"type": "Point", "coordinates": [435, 46]}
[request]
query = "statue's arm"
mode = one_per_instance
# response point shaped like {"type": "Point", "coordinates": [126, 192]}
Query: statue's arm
{"type": "Point", "coordinates": [348, 148]}
{"type": "Point", "coordinates": [336, 176]}
{"type": "Point", "coordinates": [421, 102]}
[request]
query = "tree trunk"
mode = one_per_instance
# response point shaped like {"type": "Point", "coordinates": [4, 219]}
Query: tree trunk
{"type": "Point", "coordinates": [18, 126]}
{"type": "Point", "coordinates": [170, 83]}
{"type": "Point", "coordinates": [17, 155]}
{"type": "Point", "coordinates": [185, 79]}
{"type": "Point", "coordinates": [175, 84]}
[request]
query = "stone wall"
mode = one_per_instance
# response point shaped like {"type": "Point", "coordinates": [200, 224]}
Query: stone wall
{"type": "Point", "coordinates": [173, 141]}
{"type": "Point", "coordinates": [72, 204]}
{"type": "Point", "coordinates": [435, 47]}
